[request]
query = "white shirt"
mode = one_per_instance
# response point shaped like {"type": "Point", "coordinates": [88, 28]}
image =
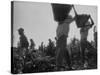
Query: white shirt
{"type": "Point", "coordinates": [63, 29]}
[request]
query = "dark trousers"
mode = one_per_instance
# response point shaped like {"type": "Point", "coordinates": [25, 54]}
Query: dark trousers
{"type": "Point", "coordinates": [62, 52]}
{"type": "Point", "coordinates": [85, 45]}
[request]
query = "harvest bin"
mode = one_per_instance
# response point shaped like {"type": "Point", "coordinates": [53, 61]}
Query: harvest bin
{"type": "Point", "coordinates": [60, 11]}
{"type": "Point", "coordinates": [81, 20]}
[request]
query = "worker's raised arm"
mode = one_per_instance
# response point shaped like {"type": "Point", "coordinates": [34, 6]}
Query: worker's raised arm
{"type": "Point", "coordinates": [74, 9]}
{"type": "Point", "coordinates": [92, 22]}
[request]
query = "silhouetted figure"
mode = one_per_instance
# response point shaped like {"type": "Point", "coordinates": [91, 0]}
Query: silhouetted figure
{"type": "Point", "coordinates": [62, 35]}
{"type": "Point", "coordinates": [51, 48]}
{"type": "Point", "coordinates": [84, 33]}
{"type": "Point", "coordinates": [32, 46]}
{"type": "Point", "coordinates": [82, 21]}
{"type": "Point", "coordinates": [23, 49]}
{"type": "Point", "coordinates": [42, 47]}
{"type": "Point", "coordinates": [23, 39]}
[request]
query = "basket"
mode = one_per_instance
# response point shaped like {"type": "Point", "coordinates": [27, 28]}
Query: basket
{"type": "Point", "coordinates": [60, 11]}
{"type": "Point", "coordinates": [81, 20]}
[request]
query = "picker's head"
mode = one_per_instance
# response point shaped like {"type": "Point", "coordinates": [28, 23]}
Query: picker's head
{"type": "Point", "coordinates": [21, 31]}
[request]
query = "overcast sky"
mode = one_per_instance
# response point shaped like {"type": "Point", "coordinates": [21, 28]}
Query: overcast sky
{"type": "Point", "coordinates": [38, 21]}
